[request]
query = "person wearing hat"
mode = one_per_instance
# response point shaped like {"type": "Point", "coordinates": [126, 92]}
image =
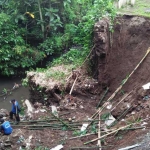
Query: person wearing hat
{"type": "Point", "coordinates": [15, 111]}
{"type": "Point", "coordinates": [5, 127]}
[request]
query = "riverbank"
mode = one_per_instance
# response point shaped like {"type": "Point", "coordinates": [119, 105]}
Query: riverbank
{"type": "Point", "coordinates": [11, 88]}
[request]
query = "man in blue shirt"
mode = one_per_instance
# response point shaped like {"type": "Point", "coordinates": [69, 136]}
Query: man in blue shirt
{"type": "Point", "coordinates": [5, 127]}
{"type": "Point", "coordinates": [15, 110]}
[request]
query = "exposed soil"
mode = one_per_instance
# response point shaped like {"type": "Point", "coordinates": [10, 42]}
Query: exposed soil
{"type": "Point", "coordinates": [114, 57]}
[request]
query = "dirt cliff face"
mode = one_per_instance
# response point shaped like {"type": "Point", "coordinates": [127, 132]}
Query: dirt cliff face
{"type": "Point", "coordinates": [100, 51]}
{"type": "Point", "coordinates": [116, 54]}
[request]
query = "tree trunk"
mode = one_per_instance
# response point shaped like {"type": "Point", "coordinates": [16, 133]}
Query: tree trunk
{"type": "Point", "coordinates": [41, 17]}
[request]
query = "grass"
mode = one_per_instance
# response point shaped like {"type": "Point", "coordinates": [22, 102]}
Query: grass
{"type": "Point", "coordinates": [61, 67]}
{"type": "Point", "coordinates": [141, 8]}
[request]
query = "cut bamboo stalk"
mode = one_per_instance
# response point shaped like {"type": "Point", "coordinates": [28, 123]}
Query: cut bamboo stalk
{"type": "Point", "coordinates": [93, 147]}
{"type": "Point", "coordinates": [99, 134]}
{"type": "Point", "coordinates": [121, 100]}
{"type": "Point", "coordinates": [107, 134]}
{"type": "Point", "coordinates": [102, 97]}
{"type": "Point", "coordinates": [81, 136]}
{"type": "Point", "coordinates": [124, 113]}
{"type": "Point", "coordinates": [122, 128]}
{"type": "Point", "coordinates": [62, 122]}
{"type": "Point", "coordinates": [73, 85]}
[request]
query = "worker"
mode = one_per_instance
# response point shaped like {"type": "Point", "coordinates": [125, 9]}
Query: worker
{"type": "Point", "coordinates": [15, 110]}
{"type": "Point", "coordinates": [5, 127]}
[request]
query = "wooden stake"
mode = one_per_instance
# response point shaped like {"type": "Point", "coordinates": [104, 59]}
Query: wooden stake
{"type": "Point", "coordinates": [73, 85]}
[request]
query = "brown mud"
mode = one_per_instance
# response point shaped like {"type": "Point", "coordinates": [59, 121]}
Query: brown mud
{"type": "Point", "coordinates": [114, 57]}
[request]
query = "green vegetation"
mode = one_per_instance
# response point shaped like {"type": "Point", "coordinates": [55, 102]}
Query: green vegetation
{"type": "Point", "coordinates": [32, 30]}
{"type": "Point", "coordinates": [141, 8]}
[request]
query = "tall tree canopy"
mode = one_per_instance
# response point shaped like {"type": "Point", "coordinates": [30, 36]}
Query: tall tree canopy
{"type": "Point", "coordinates": [32, 29]}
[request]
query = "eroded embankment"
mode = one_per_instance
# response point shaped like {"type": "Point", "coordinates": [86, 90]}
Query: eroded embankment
{"type": "Point", "coordinates": [114, 57]}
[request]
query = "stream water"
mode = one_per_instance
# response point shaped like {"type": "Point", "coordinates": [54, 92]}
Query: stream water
{"type": "Point", "coordinates": [19, 93]}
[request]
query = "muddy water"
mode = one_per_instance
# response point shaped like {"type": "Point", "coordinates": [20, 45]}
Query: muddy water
{"type": "Point", "coordinates": [18, 93]}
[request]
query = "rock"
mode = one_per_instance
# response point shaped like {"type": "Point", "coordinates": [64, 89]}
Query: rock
{"type": "Point", "coordinates": [138, 108]}
{"type": "Point", "coordinates": [4, 112]}
{"type": "Point", "coordinates": [62, 134]}
{"type": "Point", "coordinates": [37, 105]}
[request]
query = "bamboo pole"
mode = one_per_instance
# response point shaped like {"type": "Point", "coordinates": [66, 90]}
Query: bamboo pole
{"type": "Point", "coordinates": [107, 134]}
{"type": "Point", "coordinates": [93, 147]}
{"type": "Point", "coordinates": [62, 122]}
{"type": "Point", "coordinates": [119, 88]}
{"type": "Point", "coordinates": [102, 97]}
{"type": "Point", "coordinates": [124, 113]}
{"type": "Point", "coordinates": [99, 134]}
{"type": "Point", "coordinates": [73, 85]}
{"type": "Point", "coordinates": [122, 128]}
{"type": "Point", "coordinates": [121, 100]}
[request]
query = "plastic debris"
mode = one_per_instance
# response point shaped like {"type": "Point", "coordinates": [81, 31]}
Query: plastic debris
{"type": "Point", "coordinates": [109, 120]}
{"type": "Point", "coordinates": [109, 106]}
{"type": "Point", "coordinates": [54, 110]}
{"type": "Point", "coordinates": [144, 123]}
{"type": "Point", "coordinates": [21, 139]}
{"type": "Point", "coordinates": [84, 126]}
{"type": "Point", "coordinates": [133, 112]}
{"type": "Point", "coordinates": [146, 97]}
{"type": "Point", "coordinates": [130, 147]}
{"type": "Point", "coordinates": [58, 147]}
{"type": "Point", "coordinates": [28, 142]}
{"type": "Point", "coordinates": [43, 110]}
{"type": "Point", "coordinates": [146, 86]}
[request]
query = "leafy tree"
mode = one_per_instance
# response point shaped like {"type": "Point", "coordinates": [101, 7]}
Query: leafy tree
{"type": "Point", "coordinates": [14, 53]}
{"type": "Point", "coordinates": [70, 24]}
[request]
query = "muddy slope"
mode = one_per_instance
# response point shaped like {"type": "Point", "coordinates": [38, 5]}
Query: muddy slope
{"type": "Point", "coordinates": [117, 55]}
{"type": "Point", "coordinates": [114, 57]}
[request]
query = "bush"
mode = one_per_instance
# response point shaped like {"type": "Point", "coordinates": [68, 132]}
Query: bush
{"type": "Point", "coordinates": [14, 53]}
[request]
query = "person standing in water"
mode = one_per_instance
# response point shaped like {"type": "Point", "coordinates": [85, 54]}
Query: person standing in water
{"type": "Point", "coordinates": [15, 110]}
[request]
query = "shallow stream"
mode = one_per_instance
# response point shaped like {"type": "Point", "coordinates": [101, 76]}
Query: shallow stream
{"type": "Point", "coordinates": [7, 85]}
